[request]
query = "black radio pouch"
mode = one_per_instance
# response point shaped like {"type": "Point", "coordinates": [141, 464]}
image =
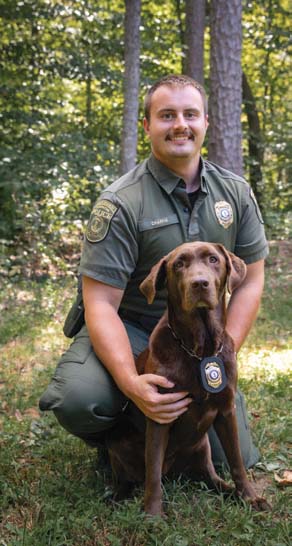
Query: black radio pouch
{"type": "Point", "coordinates": [75, 318]}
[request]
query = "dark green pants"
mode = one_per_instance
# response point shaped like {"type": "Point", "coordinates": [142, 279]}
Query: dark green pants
{"type": "Point", "coordinates": [87, 402]}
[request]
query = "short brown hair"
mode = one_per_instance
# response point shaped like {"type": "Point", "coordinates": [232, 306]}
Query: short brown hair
{"type": "Point", "coordinates": [174, 80]}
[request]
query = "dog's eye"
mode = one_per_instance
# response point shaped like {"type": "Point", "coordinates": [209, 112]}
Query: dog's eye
{"type": "Point", "coordinates": [178, 264]}
{"type": "Point", "coordinates": [213, 259]}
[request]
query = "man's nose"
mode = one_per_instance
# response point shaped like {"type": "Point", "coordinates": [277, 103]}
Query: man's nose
{"type": "Point", "coordinates": [180, 121]}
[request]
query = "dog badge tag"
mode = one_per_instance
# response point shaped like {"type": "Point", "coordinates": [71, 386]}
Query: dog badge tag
{"type": "Point", "coordinates": [213, 374]}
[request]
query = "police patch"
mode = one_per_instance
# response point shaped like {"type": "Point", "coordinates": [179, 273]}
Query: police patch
{"type": "Point", "coordinates": [99, 221]}
{"type": "Point", "coordinates": [224, 213]}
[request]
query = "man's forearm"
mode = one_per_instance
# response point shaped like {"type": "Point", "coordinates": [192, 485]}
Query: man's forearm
{"type": "Point", "coordinates": [244, 304]}
{"type": "Point", "coordinates": [111, 343]}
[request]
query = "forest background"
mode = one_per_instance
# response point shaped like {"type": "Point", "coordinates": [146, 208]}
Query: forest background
{"type": "Point", "coordinates": [62, 100]}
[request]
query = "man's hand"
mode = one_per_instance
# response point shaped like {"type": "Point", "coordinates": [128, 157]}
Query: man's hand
{"type": "Point", "coordinates": [162, 408]}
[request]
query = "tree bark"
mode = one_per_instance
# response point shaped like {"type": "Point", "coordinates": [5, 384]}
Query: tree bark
{"type": "Point", "coordinates": [131, 85]}
{"type": "Point", "coordinates": [225, 134]}
{"type": "Point", "coordinates": [194, 39]}
{"type": "Point", "coordinates": [88, 88]}
{"type": "Point", "coordinates": [255, 141]}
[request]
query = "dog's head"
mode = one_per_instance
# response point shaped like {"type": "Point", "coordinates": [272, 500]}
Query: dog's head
{"type": "Point", "coordinates": [195, 275]}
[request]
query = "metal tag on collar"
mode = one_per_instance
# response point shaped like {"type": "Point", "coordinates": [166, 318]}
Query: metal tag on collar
{"type": "Point", "coordinates": [213, 374]}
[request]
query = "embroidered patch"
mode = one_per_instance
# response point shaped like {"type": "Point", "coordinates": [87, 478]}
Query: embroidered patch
{"type": "Point", "coordinates": [99, 221]}
{"type": "Point", "coordinates": [224, 213]}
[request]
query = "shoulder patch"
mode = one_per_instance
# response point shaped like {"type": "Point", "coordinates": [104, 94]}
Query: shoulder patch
{"type": "Point", "coordinates": [99, 221]}
{"type": "Point", "coordinates": [224, 213]}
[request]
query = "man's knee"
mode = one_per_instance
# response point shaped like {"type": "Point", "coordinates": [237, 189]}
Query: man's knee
{"type": "Point", "coordinates": [82, 393]}
{"type": "Point", "coordinates": [86, 410]}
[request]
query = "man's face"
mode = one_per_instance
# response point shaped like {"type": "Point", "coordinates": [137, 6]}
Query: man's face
{"type": "Point", "coordinates": [177, 125]}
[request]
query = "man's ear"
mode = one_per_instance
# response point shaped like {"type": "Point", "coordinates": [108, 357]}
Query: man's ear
{"type": "Point", "coordinates": [154, 281]}
{"type": "Point", "coordinates": [146, 124]}
{"type": "Point", "coordinates": [236, 269]}
{"type": "Point", "coordinates": [207, 121]}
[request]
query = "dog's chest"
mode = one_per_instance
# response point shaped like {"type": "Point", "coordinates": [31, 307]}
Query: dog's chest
{"type": "Point", "coordinates": [184, 372]}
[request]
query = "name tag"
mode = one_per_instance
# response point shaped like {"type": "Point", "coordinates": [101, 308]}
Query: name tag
{"type": "Point", "coordinates": [154, 223]}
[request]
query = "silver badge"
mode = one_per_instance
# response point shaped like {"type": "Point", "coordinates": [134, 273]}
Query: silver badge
{"type": "Point", "coordinates": [224, 213]}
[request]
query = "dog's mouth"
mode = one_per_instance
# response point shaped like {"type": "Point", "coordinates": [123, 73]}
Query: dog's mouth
{"type": "Point", "coordinates": [199, 298]}
{"type": "Point", "coordinates": [189, 304]}
{"type": "Point", "coordinates": [202, 303]}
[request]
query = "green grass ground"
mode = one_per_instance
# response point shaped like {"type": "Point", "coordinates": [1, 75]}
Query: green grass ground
{"type": "Point", "coordinates": [52, 490]}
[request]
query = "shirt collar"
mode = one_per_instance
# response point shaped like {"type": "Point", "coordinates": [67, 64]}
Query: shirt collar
{"type": "Point", "coordinates": [169, 180]}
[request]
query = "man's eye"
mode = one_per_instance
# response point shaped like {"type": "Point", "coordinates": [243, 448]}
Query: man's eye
{"type": "Point", "coordinates": [213, 259]}
{"type": "Point", "coordinates": [167, 116]}
{"type": "Point", "coordinates": [191, 115]}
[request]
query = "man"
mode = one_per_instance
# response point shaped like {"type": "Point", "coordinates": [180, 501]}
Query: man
{"type": "Point", "coordinates": [173, 197]}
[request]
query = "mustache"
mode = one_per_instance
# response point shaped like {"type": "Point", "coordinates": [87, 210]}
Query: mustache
{"type": "Point", "coordinates": [173, 134]}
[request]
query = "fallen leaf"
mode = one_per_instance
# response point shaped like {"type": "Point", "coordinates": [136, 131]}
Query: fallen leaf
{"type": "Point", "coordinates": [17, 415]}
{"type": "Point", "coordinates": [32, 412]}
{"type": "Point", "coordinates": [285, 480]}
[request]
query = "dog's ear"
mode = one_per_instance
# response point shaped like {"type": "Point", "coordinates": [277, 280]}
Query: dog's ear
{"type": "Point", "coordinates": [236, 269]}
{"type": "Point", "coordinates": [154, 281]}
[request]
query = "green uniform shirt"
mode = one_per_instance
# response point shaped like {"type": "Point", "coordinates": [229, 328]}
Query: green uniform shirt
{"type": "Point", "coordinates": [145, 214]}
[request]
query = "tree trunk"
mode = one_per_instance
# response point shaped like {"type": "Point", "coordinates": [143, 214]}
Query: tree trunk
{"type": "Point", "coordinates": [255, 141]}
{"type": "Point", "coordinates": [194, 39]}
{"type": "Point", "coordinates": [225, 85]}
{"type": "Point", "coordinates": [88, 89]}
{"type": "Point", "coordinates": [131, 85]}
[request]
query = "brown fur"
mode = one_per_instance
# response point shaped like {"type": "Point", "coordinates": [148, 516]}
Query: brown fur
{"type": "Point", "coordinates": [196, 276]}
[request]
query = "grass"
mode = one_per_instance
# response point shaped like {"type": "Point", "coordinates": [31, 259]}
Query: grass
{"type": "Point", "coordinates": [52, 490]}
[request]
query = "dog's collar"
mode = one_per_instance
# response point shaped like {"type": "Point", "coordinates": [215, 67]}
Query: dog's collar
{"type": "Point", "coordinates": [190, 352]}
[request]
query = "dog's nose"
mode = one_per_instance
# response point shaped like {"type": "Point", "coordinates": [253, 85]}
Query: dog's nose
{"type": "Point", "coordinates": [200, 283]}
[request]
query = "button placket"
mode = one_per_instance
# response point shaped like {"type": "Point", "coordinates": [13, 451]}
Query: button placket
{"type": "Point", "coordinates": [182, 206]}
{"type": "Point", "coordinates": [194, 229]}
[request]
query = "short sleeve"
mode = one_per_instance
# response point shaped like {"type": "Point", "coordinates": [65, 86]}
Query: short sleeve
{"type": "Point", "coordinates": [251, 244]}
{"type": "Point", "coordinates": [110, 248]}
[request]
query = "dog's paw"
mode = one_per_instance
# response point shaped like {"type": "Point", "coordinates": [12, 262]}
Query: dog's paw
{"type": "Point", "coordinates": [249, 495]}
{"type": "Point", "coordinates": [260, 504]}
{"type": "Point", "coordinates": [153, 507]}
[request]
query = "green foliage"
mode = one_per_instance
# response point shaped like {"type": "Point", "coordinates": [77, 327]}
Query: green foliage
{"type": "Point", "coordinates": [61, 112]}
{"type": "Point", "coordinates": [266, 61]}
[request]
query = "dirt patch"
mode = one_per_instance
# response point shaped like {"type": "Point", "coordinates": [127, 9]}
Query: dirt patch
{"type": "Point", "coordinates": [261, 484]}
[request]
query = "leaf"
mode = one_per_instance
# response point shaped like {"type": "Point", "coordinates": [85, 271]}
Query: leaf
{"type": "Point", "coordinates": [32, 412]}
{"type": "Point", "coordinates": [285, 480]}
{"type": "Point", "coordinates": [18, 416]}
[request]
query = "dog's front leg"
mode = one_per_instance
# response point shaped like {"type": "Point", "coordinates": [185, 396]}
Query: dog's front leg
{"type": "Point", "coordinates": [156, 444]}
{"type": "Point", "coordinates": [227, 430]}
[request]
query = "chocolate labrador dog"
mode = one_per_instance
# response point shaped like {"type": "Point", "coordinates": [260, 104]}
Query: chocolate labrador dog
{"type": "Point", "coordinates": [192, 349]}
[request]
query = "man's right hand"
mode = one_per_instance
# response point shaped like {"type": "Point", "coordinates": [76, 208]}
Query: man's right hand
{"type": "Point", "coordinates": [162, 408]}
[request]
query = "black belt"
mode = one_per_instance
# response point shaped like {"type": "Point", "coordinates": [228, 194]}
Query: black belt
{"type": "Point", "coordinates": [147, 323]}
